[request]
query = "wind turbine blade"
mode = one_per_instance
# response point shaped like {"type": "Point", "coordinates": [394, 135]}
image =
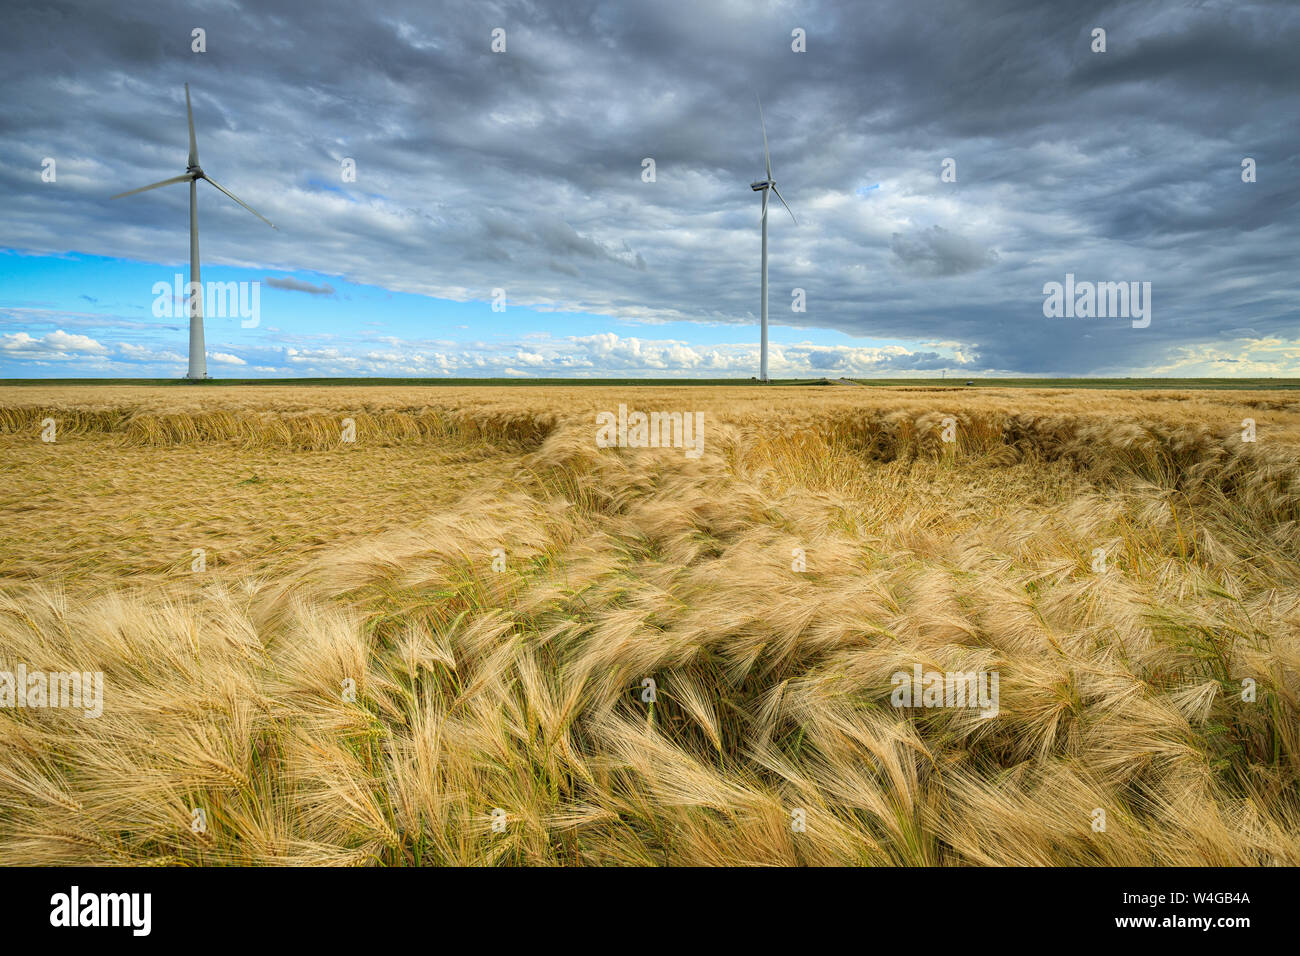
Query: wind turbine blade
{"type": "Point", "coordinates": [767, 160]}
{"type": "Point", "coordinates": [194, 146]}
{"type": "Point", "coordinates": [765, 205]}
{"type": "Point", "coordinates": [166, 182]}
{"type": "Point", "coordinates": [784, 203]}
{"type": "Point", "coordinates": [240, 201]}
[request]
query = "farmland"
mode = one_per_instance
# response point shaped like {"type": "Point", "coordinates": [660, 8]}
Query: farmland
{"type": "Point", "coordinates": [408, 625]}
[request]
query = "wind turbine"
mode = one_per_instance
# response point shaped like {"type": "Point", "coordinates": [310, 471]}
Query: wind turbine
{"type": "Point", "coordinates": [193, 173]}
{"type": "Point", "coordinates": [763, 185]}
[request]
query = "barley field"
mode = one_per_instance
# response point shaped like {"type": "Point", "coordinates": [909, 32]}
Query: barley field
{"type": "Point", "coordinates": [473, 636]}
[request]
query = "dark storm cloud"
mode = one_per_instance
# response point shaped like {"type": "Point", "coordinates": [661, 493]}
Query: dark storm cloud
{"type": "Point", "coordinates": [937, 252]}
{"type": "Point", "coordinates": [523, 170]}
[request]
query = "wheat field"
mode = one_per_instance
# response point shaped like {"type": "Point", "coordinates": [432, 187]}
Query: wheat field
{"type": "Point", "coordinates": [431, 645]}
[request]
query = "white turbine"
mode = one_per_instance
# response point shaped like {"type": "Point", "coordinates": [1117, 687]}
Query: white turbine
{"type": "Point", "coordinates": [763, 185]}
{"type": "Point", "coordinates": [193, 173]}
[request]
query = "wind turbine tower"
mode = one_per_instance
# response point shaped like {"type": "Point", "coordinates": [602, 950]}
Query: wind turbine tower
{"type": "Point", "coordinates": [763, 185]}
{"type": "Point", "coordinates": [198, 369]}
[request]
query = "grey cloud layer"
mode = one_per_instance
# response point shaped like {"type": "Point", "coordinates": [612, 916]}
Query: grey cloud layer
{"type": "Point", "coordinates": [297, 285]}
{"type": "Point", "coordinates": [523, 170]}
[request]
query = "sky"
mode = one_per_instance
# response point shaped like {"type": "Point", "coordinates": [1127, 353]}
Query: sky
{"type": "Point", "coordinates": [946, 162]}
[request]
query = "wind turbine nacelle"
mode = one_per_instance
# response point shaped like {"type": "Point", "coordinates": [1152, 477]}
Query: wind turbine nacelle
{"type": "Point", "coordinates": [762, 184]}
